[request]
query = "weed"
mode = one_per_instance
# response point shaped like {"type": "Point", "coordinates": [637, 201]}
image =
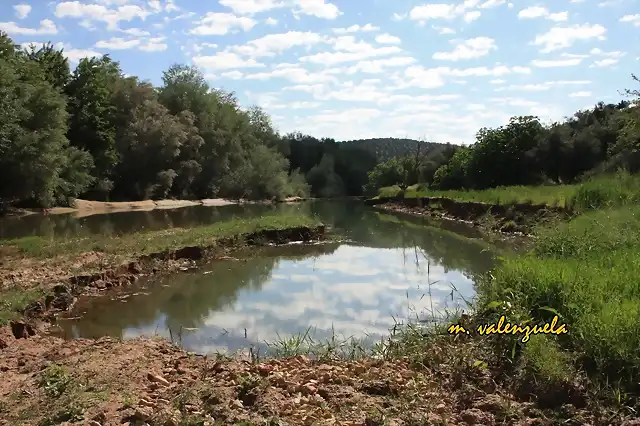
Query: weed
{"type": "Point", "coordinates": [54, 380]}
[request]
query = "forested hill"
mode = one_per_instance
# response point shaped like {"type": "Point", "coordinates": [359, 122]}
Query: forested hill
{"type": "Point", "coordinates": [387, 148]}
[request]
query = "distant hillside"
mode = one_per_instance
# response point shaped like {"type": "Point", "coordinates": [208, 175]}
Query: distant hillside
{"type": "Point", "coordinates": [387, 148]}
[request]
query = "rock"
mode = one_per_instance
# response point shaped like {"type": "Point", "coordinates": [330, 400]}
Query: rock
{"type": "Point", "coordinates": [146, 403]}
{"type": "Point", "coordinates": [21, 330]}
{"type": "Point", "coordinates": [93, 423]}
{"type": "Point", "coordinates": [142, 414]}
{"type": "Point", "coordinates": [474, 416]}
{"type": "Point", "coordinates": [157, 379]}
{"type": "Point", "coordinates": [3, 344]}
{"type": "Point", "coordinates": [134, 268]}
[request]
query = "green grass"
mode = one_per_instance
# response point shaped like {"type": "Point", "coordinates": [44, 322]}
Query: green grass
{"type": "Point", "coordinates": [12, 301]}
{"type": "Point", "coordinates": [549, 195]}
{"type": "Point", "coordinates": [153, 241]}
{"type": "Point", "coordinates": [598, 192]}
{"type": "Point", "coordinates": [587, 271]}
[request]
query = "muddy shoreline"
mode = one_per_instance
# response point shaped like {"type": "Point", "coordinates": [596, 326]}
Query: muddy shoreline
{"type": "Point", "coordinates": [61, 291]}
{"type": "Point", "coordinates": [508, 219]}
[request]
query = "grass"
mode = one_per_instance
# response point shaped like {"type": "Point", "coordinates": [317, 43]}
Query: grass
{"type": "Point", "coordinates": [586, 271]}
{"type": "Point", "coordinates": [153, 241]}
{"type": "Point", "coordinates": [598, 192]}
{"type": "Point", "coordinates": [13, 301]}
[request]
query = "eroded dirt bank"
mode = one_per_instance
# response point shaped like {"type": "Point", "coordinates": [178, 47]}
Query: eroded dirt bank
{"type": "Point", "coordinates": [507, 218]}
{"type": "Point", "coordinates": [60, 283]}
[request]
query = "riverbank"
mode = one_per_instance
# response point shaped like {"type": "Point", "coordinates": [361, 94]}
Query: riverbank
{"type": "Point", "coordinates": [583, 267]}
{"type": "Point", "coordinates": [512, 218]}
{"type": "Point", "coordinates": [40, 274]}
{"type": "Point", "coordinates": [417, 376]}
{"type": "Point", "coordinates": [148, 381]}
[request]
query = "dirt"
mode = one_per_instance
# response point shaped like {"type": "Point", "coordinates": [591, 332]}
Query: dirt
{"type": "Point", "coordinates": [511, 219]}
{"type": "Point", "coordinates": [47, 381]}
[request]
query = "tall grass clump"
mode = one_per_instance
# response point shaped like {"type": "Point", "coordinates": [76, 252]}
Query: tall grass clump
{"type": "Point", "coordinates": [606, 191]}
{"type": "Point", "coordinates": [586, 271]}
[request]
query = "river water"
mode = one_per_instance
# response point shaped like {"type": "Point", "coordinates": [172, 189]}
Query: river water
{"type": "Point", "coordinates": [391, 268]}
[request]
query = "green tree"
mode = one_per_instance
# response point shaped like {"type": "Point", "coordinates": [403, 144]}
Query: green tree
{"type": "Point", "coordinates": [92, 125]}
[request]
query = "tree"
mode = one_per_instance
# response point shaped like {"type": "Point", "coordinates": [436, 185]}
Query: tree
{"type": "Point", "coordinates": [36, 163]}
{"type": "Point", "coordinates": [92, 125]}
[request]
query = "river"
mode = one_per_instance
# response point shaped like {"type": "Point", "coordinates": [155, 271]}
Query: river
{"type": "Point", "coordinates": [391, 268]}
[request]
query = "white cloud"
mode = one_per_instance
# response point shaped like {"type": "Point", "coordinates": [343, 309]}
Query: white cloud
{"type": "Point", "coordinates": [583, 94]}
{"type": "Point", "coordinates": [224, 61]}
{"type": "Point", "coordinates": [272, 44]}
{"type": "Point", "coordinates": [376, 66]}
{"type": "Point", "coordinates": [388, 39]}
{"type": "Point", "coordinates": [397, 17]}
{"type": "Point", "coordinates": [22, 10]}
{"type": "Point", "coordinates": [444, 30]}
{"type": "Point", "coordinates": [471, 16]}
{"type": "Point", "coordinates": [97, 12]}
{"type": "Point", "coordinates": [317, 8]}
{"type": "Point", "coordinates": [356, 28]}
{"type": "Point", "coordinates": [346, 49]}
{"type": "Point", "coordinates": [556, 63]}
{"type": "Point", "coordinates": [271, 21]}
{"type": "Point", "coordinates": [215, 23]}
{"type": "Point", "coordinates": [74, 55]}
{"type": "Point", "coordinates": [562, 37]}
{"type": "Point", "coordinates": [632, 19]}
{"type": "Point", "coordinates": [117, 43]}
{"type": "Point", "coordinates": [46, 27]}
{"type": "Point", "coordinates": [251, 6]}
{"type": "Point", "coordinates": [602, 63]}
{"type": "Point", "coordinates": [541, 87]}
{"type": "Point", "coordinates": [153, 45]}
{"type": "Point", "coordinates": [492, 3]}
{"type": "Point", "coordinates": [533, 12]}
{"type": "Point", "coordinates": [468, 49]}
{"type": "Point", "coordinates": [234, 75]}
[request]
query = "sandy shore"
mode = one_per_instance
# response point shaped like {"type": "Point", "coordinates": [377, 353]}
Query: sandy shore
{"type": "Point", "coordinates": [83, 208]}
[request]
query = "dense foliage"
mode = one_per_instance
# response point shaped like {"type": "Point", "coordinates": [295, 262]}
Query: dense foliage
{"type": "Point", "coordinates": [95, 133]}
{"type": "Point", "coordinates": [526, 152]}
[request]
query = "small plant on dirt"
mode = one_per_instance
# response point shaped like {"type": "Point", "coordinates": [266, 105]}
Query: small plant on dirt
{"type": "Point", "coordinates": [248, 382]}
{"type": "Point", "coordinates": [54, 380]}
{"type": "Point", "coordinates": [69, 414]}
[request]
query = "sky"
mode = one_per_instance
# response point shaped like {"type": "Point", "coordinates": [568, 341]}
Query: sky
{"type": "Point", "coordinates": [351, 69]}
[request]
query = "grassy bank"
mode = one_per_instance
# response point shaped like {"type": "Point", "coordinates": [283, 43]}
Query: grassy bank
{"type": "Point", "coordinates": [599, 192]}
{"type": "Point", "coordinates": [151, 241]}
{"type": "Point", "coordinates": [586, 271]}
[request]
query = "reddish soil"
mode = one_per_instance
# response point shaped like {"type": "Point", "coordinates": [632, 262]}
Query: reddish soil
{"type": "Point", "coordinates": [47, 381]}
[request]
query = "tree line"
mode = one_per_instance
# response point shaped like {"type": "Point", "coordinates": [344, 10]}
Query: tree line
{"type": "Point", "coordinates": [525, 151]}
{"type": "Point", "coordinates": [96, 133]}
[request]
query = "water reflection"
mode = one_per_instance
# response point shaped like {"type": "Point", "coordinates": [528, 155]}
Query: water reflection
{"type": "Point", "coordinates": [68, 225]}
{"type": "Point", "coordinates": [355, 289]}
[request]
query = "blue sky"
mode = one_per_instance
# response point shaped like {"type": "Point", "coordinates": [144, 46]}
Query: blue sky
{"type": "Point", "coordinates": [363, 68]}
